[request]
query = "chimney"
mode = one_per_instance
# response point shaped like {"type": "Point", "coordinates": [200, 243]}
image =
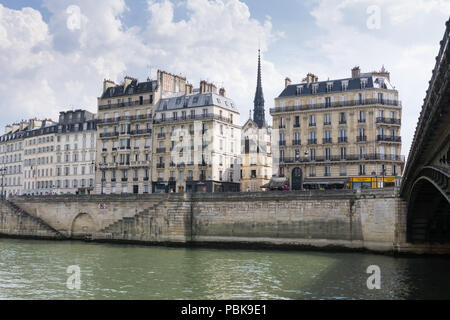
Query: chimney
{"type": "Point", "coordinates": [127, 81]}
{"type": "Point", "coordinates": [189, 88]}
{"type": "Point", "coordinates": [107, 84]}
{"type": "Point", "coordinates": [287, 82]}
{"type": "Point", "coordinates": [310, 78]}
{"type": "Point", "coordinates": [356, 72]}
{"type": "Point", "coordinates": [222, 92]}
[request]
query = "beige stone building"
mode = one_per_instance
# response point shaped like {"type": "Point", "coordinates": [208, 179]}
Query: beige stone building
{"type": "Point", "coordinates": [75, 152]}
{"type": "Point", "coordinates": [11, 159]}
{"type": "Point", "coordinates": [338, 133]}
{"type": "Point", "coordinates": [256, 163]}
{"type": "Point", "coordinates": [125, 127]}
{"type": "Point", "coordinates": [39, 158]}
{"type": "Point", "coordinates": [196, 142]}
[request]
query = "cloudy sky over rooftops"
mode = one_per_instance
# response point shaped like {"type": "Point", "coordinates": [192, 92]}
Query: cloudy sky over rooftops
{"type": "Point", "coordinates": [54, 54]}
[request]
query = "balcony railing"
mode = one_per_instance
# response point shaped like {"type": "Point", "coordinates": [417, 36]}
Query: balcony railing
{"type": "Point", "coordinates": [140, 132]}
{"type": "Point", "coordinates": [312, 141]}
{"type": "Point", "coordinates": [347, 157]}
{"type": "Point", "coordinates": [296, 142]}
{"type": "Point", "coordinates": [161, 135]}
{"type": "Point", "coordinates": [327, 140]}
{"type": "Point", "coordinates": [361, 138]}
{"type": "Point", "coordinates": [389, 138]}
{"type": "Point", "coordinates": [124, 104]}
{"type": "Point", "coordinates": [160, 165]}
{"type": "Point", "coordinates": [342, 139]}
{"type": "Point", "coordinates": [125, 118]}
{"type": "Point", "coordinates": [388, 120]}
{"type": "Point", "coordinates": [160, 150]}
{"type": "Point", "coordinates": [208, 116]}
{"type": "Point", "coordinates": [337, 104]}
{"type": "Point", "coordinates": [108, 135]}
{"type": "Point", "coordinates": [282, 142]}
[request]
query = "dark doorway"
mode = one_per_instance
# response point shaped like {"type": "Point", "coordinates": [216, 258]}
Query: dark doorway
{"type": "Point", "coordinates": [135, 189]}
{"type": "Point", "coordinates": [297, 179]}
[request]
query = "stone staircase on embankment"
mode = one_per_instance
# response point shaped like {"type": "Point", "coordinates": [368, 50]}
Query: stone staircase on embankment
{"type": "Point", "coordinates": [15, 221]}
{"type": "Point", "coordinates": [159, 221]}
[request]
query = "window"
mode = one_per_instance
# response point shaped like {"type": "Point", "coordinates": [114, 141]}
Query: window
{"type": "Point", "coordinates": [362, 169]}
{"type": "Point", "coordinates": [327, 171]}
{"type": "Point", "coordinates": [361, 116]}
{"type": "Point", "coordinates": [329, 86]}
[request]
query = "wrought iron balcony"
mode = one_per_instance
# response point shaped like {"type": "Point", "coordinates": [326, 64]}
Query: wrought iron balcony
{"type": "Point", "coordinates": [361, 138]}
{"type": "Point", "coordinates": [312, 141]}
{"type": "Point", "coordinates": [327, 140]}
{"type": "Point", "coordinates": [337, 104]}
{"type": "Point", "coordinates": [388, 121]}
{"type": "Point", "coordinates": [389, 138]}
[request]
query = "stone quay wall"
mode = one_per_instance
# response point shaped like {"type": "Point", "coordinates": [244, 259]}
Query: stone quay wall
{"type": "Point", "coordinates": [346, 219]}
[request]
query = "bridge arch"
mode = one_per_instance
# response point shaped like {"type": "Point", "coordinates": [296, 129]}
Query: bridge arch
{"type": "Point", "coordinates": [83, 225]}
{"type": "Point", "coordinates": [429, 208]}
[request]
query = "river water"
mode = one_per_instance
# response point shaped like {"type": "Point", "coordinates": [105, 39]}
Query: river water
{"type": "Point", "coordinates": [31, 269]}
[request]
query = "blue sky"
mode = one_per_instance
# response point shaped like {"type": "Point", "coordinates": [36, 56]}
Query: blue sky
{"type": "Point", "coordinates": [48, 66]}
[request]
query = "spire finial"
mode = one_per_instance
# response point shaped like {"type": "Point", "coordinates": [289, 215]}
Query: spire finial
{"type": "Point", "coordinates": [258, 111]}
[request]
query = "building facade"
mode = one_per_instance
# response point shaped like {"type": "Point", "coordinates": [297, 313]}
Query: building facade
{"type": "Point", "coordinates": [124, 132]}
{"type": "Point", "coordinates": [338, 133]}
{"type": "Point", "coordinates": [196, 143]}
{"type": "Point", "coordinates": [34, 155]}
{"type": "Point", "coordinates": [75, 152]}
{"type": "Point", "coordinates": [256, 156]}
{"type": "Point", "coordinates": [11, 159]}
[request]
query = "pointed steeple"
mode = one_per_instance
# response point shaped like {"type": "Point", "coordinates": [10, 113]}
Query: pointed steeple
{"type": "Point", "coordinates": [258, 110]}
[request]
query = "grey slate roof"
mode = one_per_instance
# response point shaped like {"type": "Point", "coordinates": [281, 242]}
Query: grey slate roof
{"type": "Point", "coordinates": [134, 87]}
{"type": "Point", "coordinates": [373, 81]}
{"type": "Point", "coordinates": [195, 100]}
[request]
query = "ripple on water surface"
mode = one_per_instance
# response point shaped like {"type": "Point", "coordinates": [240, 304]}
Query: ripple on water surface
{"type": "Point", "coordinates": [38, 270]}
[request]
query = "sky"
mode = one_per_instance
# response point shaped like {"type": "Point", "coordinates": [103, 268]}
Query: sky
{"type": "Point", "coordinates": [54, 54]}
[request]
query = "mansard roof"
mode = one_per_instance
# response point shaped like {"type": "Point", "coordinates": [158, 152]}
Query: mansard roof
{"type": "Point", "coordinates": [135, 87]}
{"type": "Point", "coordinates": [196, 100]}
{"type": "Point", "coordinates": [373, 82]}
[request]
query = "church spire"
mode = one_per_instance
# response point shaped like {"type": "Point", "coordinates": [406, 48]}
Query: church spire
{"type": "Point", "coordinates": [258, 110]}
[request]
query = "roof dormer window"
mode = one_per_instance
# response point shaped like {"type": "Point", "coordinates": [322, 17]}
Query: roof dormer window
{"type": "Point", "coordinates": [363, 83]}
{"type": "Point", "coordinates": [299, 90]}
{"type": "Point", "coordinates": [314, 88]}
{"type": "Point", "coordinates": [344, 85]}
{"type": "Point", "coordinates": [329, 86]}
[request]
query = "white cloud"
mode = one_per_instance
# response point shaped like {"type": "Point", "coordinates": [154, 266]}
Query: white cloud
{"type": "Point", "coordinates": [59, 66]}
{"type": "Point", "coordinates": [406, 43]}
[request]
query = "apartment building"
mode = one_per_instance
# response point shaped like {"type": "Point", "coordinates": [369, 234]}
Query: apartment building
{"type": "Point", "coordinates": [39, 159]}
{"type": "Point", "coordinates": [256, 157]}
{"type": "Point", "coordinates": [196, 143]}
{"type": "Point", "coordinates": [341, 133]}
{"type": "Point", "coordinates": [124, 131]}
{"type": "Point", "coordinates": [11, 159]}
{"type": "Point", "coordinates": [75, 152]}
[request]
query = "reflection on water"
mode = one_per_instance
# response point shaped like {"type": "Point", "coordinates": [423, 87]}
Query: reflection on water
{"type": "Point", "coordinates": [37, 270]}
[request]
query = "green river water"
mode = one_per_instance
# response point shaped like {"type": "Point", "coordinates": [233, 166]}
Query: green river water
{"type": "Point", "coordinates": [31, 269]}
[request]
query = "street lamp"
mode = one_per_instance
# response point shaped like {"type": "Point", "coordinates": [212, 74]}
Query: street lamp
{"type": "Point", "coordinates": [3, 172]}
{"type": "Point", "coordinates": [102, 170]}
{"type": "Point", "coordinates": [304, 173]}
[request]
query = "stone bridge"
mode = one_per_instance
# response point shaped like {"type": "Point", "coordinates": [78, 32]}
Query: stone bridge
{"type": "Point", "coordinates": [426, 179]}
